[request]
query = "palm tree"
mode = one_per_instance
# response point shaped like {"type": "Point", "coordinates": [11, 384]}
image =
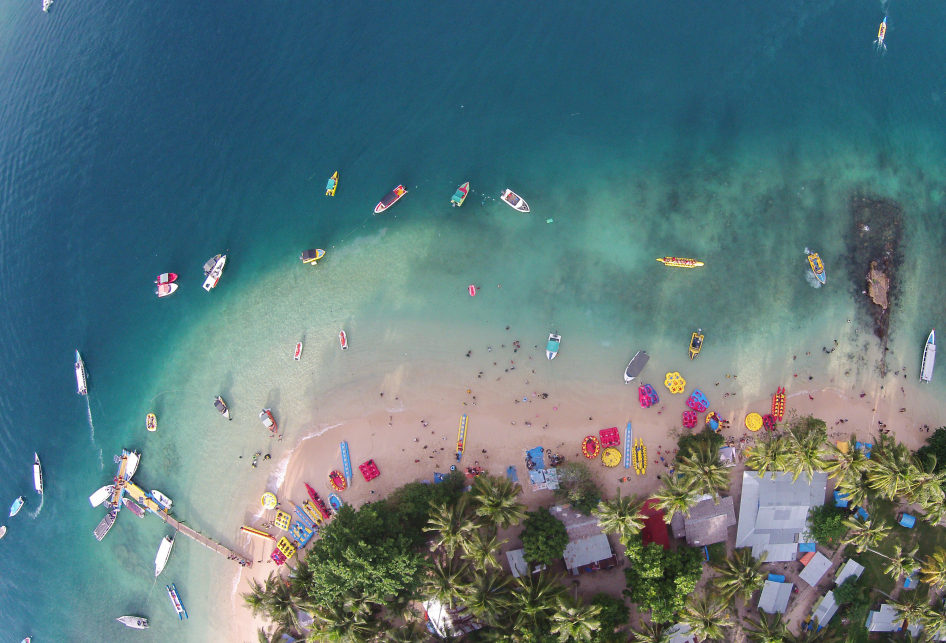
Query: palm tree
{"type": "Point", "coordinates": [676, 495]}
{"type": "Point", "coordinates": [768, 454]}
{"type": "Point", "coordinates": [935, 512]}
{"type": "Point", "coordinates": [865, 533]}
{"type": "Point", "coordinates": [846, 464]}
{"type": "Point", "coordinates": [925, 485]}
{"type": "Point", "coordinates": [408, 633]}
{"type": "Point", "coordinates": [705, 471]}
{"type": "Point", "coordinates": [446, 581]}
{"type": "Point", "coordinates": [573, 621]}
{"type": "Point", "coordinates": [901, 564]}
{"type": "Point", "coordinates": [934, 624]}
{"type": "Point", "coordinates": [301, 578]}
{"type": "Point", "coordinates": [892, 469]}
{"type": "Point", "coordinates": [256, 599]}
{"type": "Point", "coordinates": [741, 575]}
{"type": "Point", "coordinates": [279, 602]}
{"type": "Point", "coordinates": [497, 500]}
{"type": "Point", "coordinates": [535, 599]}
{"type": "Point", "coordinates": [814, 635]}
{"type": "Point", "coordinates": [651, 633]}
{"type": "Point", "coordinates": [805, 453]}
{"type": "Point", "coordinates": [913, 610]}
{"type": "Point", "coordinates": [857, 488]}
{"type": "Point", "coordinates": [934, 569]}
{"type": "Point", "coordinates": [488, 596]}
{"type": "Point", "coordinates": [480, 550]}
{"type": "Point", "coordinates": [707, 617]}
{"type": "Point", "coordinates": [452, 524]}
{"type": "Point", "coordinates": [271, 635]}
{"type": "Point", "coordinates": [342, 622]}
{"type": "Point", "coordinates": [622, 516]}
{"type": "Point", "coordinates": [767, 630]}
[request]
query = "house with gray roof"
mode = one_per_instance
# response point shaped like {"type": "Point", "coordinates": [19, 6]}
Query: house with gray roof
{"type": "Point", "coordinates": [708, 522]}
{"type": "Point", "coordinates": [817, 567]}
{"type": "Point", "coordinates": [588, 548]}
{"type": "Point", "coordinates": [886, 619]}
{"type": "Point", "coordinates": [824, 610]}
{"type": "Point", "coordinates": [773, 512]}
{"type": "Point", "coordinates": [774, 598]}
{"type": "Point", "coordinates": [850, 568]}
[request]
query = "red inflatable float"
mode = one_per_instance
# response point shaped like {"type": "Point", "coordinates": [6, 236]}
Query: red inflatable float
{"type": "Point", "coordinates": [689, 419]}
{"type": "Point", "coordinates": [590, 446]}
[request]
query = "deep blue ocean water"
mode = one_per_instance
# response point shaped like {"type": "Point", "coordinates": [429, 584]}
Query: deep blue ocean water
{"type": "Point", "coordinates": [138, 137]}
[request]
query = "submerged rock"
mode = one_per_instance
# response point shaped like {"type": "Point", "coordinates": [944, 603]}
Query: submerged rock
{"type": "Point", "coordinates": [878, 284]}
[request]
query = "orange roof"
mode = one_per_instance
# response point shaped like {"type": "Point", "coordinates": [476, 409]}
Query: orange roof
{"type": "Point", "coordinates": [807, 558]}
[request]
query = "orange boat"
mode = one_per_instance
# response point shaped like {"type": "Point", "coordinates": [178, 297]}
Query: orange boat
{"type": "Point", "coordinates": [778, 403]}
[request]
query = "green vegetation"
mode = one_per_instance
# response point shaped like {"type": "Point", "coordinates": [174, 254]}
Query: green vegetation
{"type": "Point", "coordinates": [613, 615]}
{"type": "Point", "coordinates": [659, 580]}
{"type": "Point", "coordinates": [577, 487]}
{"type": "Point", "coordinates": [935, 446]}
{"type": "Point", "coordinates": [854, 596]}
{"type": "Point", "coordinates": [688, 442]}
{"type": "Point", "coordinates": [621, 516]}
{"type": "Point", "coordinates": [544, 537]}
{"type": "Point", "coordinates": [826, 525]}
{"type": "Point", "coordinates": [740, 575]}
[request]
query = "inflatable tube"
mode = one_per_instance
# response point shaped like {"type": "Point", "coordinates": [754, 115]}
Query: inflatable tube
{"type": "Point", "coordinates": [590, 447]}
{"type": "Point", "coordinates": [472, 290]}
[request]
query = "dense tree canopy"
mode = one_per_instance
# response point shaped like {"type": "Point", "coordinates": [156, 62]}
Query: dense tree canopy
{"type": "Point", "coordinates": [826, 524]}
{"type": "Point", "coordinates": [659, 580]}
{"type": "Point", "coordinates": [689, 441]}
{"type": "Point", "coordinates": [935, 446]}
{"type": "Point", "coordinates": [544, 537]}
{"type": "Point", "coordinates": [577, 487]}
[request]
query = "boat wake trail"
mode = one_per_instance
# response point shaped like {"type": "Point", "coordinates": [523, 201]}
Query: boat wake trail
{"type": "Point", "coordinates": [812, 279]}
{"type": "Point", "coordinates": [42, 499]}
{"type": "Point", "coordinates": [88, 408]}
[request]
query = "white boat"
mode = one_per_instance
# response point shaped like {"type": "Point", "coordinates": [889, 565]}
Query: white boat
{"type": "Point", "coordinates": [105, 525]}
{"type": "Point", "coordinates": [134, 507]}
{"type": "Point", "coordinates": [131, 463]}
{"type": "Point", "coordinates": [46, 5]}
{"type": "Point", "coordinates": [551, 349]}
{"type": "Point", "coordinates": [929, 358]}
{"type": "Point", "coordinates": [221, 406]}
{"type": "Point", "coordinates": [134, 622]}
{"type": "Point", "coordinates": [161, 499]}
{"type": "Point", "coordinates": [164, 552]}
{"type": "Point", "coordinates": [37, 474]}
{"type": "Point", "coordinates": [101, 495]}
{"type": "Point", "coordinates": [166, 289]}
{"type": "Point", "coordinates": [211, 281]}
{"type": "Point", "coordinates": [636, 366]}
{"type": "Point", "coordinates": [298, 354]}
{"type": "Point", "coordinates": [514, 201]}
{"type": "Point", "coordinates": [17, 505]}
{"type": "Point", "coordinates": [176, 601]}
{"type": "Point", "coordinates": [3, 531]}
{"type": "Point", "coordinates": [81, 378]}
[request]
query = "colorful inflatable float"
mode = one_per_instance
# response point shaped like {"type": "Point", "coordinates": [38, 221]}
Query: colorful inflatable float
{"type": "Point", "coordinates": [335, 502]}
{"type": "Point", "coordinates": [698, 402]}
{"type": "Point", "coordinates": [590, 447]}
{"type": "Point", "coordinates": [768, 421]}
{"type": "Point", "coordinates": [369, 470]}
{"type": "Point", "coordinates": [712, 420]}
{"type": "Point", "coordinates": [461, 436]}
{"type": "Point", "coordinates": [611, 457]}
{"type": "Point", "coordinates": [675, 383]}
{"type": "Point", "coordinates": [628, 447]}
{"type": "Point", "coordinates": [647, 396]}
{"type": "Point", "coordinates": [778, 404]}
{"type": "Point", "coordinates": [268, 500]}
{"type": "Point", "coordinates": [610, 437]}
{"type": "Point", "coordinates": [689, 419]}
{"type": "Point", "coordinates": [337, 479]}
{"type": "Point", "coordinates": [640, 457]}
{"type": "Point", "coordinates": [753, 422]}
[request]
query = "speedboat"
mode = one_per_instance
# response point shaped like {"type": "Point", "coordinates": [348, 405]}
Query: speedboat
{"type": "Point", "coordinates": [166, 278]}
{"type": "Point", "coordinates": [101, 495]}
{"type": "Point", "coordinates": [332, 185]}
{"type": "Point", "coordinates": [312, 256]}
{"type": "Point", "coordinates": [164, 552]}
{"type": "Point", "coordinates": [551, 349]}
{"type": "Point", "coordinates": [151, 422]}
{"type": "Point", "coordinates": [161, 499]}
{"type": "Point", "coordinates": [680, 262]}
{"type": "Point", "coordinates": [81, 378]}
{"type": "Point", "coordinates": [817, 266]}
{"type": "Point", "coordinates": [176, 601]}
{"type": "Point", "coordinates": [17, 505]}
{"type": "Point", "coordinates": [209, 266]}
{"type": "Point", "coordinates": [165, 289]}
{"type": "Point", "coordinates": [635, 366]}
{"type": "Point", "coordinates": [343, 340]}
{"type": "Point", "coordinates": [37, 474]}
{"type": "Point", "coordinates": [460, 195]}
{"type": "Point", "coordinates": [134, 507]}
{"type": "Point", "coordinates": [221, 406]}
{"type": "Point", "coordinates": [134, 622]}
{"type": "Point", "coordinates": [929, 358]}
{"type": "Point", "coordinates": [105, 525]}
{"type": "Point", "coordinates": [297, 355]}
{"type": "Point", "coordinates": [266, 415]}
{"type": "Point", "coordinates": [514, 201]}
{"type": "Point", "coordinates": [214, 276]}
{"type": "Point", "coordinates": [696, 343]}
{"type": "Point", "coordinates": [390, 199]}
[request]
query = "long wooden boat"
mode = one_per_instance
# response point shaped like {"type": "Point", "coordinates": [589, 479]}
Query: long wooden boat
{"type": "Point", "coordinates": [81, 376]}
{"type": "Point", "coordinates": [176, 601]}
{"type": "Point", "coordinates": [390, 199]}
{"type": "Point", "coordinates": [929, 358]}
{"type": "Point", "coordinates": [460, 195]}
{"type": "Point", "coordinates": [817, 266]}
{"type": "Point", "coordinates": [680, 262]}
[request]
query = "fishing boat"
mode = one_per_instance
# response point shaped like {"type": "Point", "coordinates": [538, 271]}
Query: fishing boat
{"type": "Point", "coordinates": [221, 406]}
{"type": "Point", "coordinates": [81, 377]}
{"type": "Point", "coordinates": [635, 366]}
{"type": "Point", "coordinates": [176, 601]}
{"type": "Point", "coordinates": [929, 357]}
{"type": "Point", "coordinates": [266, 415]}
{"type": "Point", "coordinates": [551, 349]}
{"type": "Point", "coordinates": [390, 199]}
{"type": "Point", "coordinates": [696, 343]}
{"type": "Point", "coordinates": [312, 256]}
{"type": "Point", "coordinates": [460, 195]}
{"type": "Point", "coordinates": [343, 340]}
{"type": "Point", "coordinates": [680, 262]}
{"type": "Point", "coordinates": [166, 278]}
{"type": "Point", "coordinates": [151, 422]}
{"type": "Point", "coordinates": [461, 436]}
{"type": "Point", "coordinates": [134, 507]}
{"type": "Point", "coordinates": [817, 267]}
{"type": "Point", "coordinates": [17, 505]}
{"type": "Point", "coordinates": [161, 499]}
{"type": "Point", "coordinates": [37, 474]}
{"type": "Point", "coordinates": [165, 290]}
{"type": "Point", "coordinates": [101, 495]}
{"type": "Point", "coordinates": [211, 281]}
{"type": "Point", "coordinates": [332, 185]}
{"type": "Point", "coordinates": [134, 622]}
{"type": "Point", "coordinates": [164, 552]}
{"type": "Point", "coordinates": [209, 266]}
{"type": "Point", "coordinates": [105, 525]}
{"type": "Point", "coordinates": [514, 201]}
{"type": "Point", "coordinates": [46, 5]}
{"type": "Point", "coordinates": [297, 355]}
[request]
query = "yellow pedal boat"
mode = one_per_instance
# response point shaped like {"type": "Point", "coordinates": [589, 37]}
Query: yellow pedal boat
{"type": "Point", "coordinates": [332, 185]}
{"type": "Point", "coordinates": [696, 343]}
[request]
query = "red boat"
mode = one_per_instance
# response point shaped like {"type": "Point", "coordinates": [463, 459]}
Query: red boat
{"type": "Point", "coordinates": [323, 510]}
{"type": "Point", "coordinates": [778, 404]}
{"type": "Point", "coordinates": [166, 278]}
{"type": "Point", "coordinates": [343, 340]}
{"type": "Point", "coordinates": [266, 415]}
{"type": "Point", "coordinates": [390, 199]}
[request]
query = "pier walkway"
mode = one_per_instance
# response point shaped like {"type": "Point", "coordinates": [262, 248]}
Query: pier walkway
{"type": "Point", "coordinates": [203, 540]}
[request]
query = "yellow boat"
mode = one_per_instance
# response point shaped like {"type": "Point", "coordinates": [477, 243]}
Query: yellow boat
{"type": "Point", "coordinates": [817, 267]}
{"type": "Point", "coordinates": [332, 185]}
{"type": "Point", "coordinates": [151, 422]}
{"type": "Point", "coordinates": [680, 262]}
{"type": "Point", "coordinates": [696, 343]}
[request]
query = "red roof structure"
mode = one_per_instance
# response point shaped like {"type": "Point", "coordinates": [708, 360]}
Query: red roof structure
{"type": "Point", "coordinates": [655, 529]}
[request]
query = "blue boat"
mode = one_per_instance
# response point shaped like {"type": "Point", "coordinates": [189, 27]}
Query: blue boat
{"type": "Point", "coordinates": [176, 601]}
{"type": "Point", "coordinates": [17, 505]}
{"type": "Point", "coordinates": [551, 349]}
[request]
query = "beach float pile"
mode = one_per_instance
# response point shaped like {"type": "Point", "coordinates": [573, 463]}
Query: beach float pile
{"type": "Point", "coordinates": [689, 419]}
{"type": "Point", "coordinates": [338, 480]}
{"type": "Point", "coordinates": [369, 470]}
{"type": "Point", "coordinates": [611, 457]}
{"type": "Point", "coordinates": [753, 421]}
{"type": "Point", "coordinates": [590, 447]}
{"type": "Point", "coordinates": [768, 421]}
{"type": "Point", "coordinates": [697, 401]}
{"type": "Point", "coordinates": [610, 437]}
{"type": "Point", "coordinates": [675, 383]}
{"type": "Point", "coordinates": [778, 403]}
{"type": "Point", "coordinates": [647, 396]}
{"type": "Point", "coordinates": [268, 500]}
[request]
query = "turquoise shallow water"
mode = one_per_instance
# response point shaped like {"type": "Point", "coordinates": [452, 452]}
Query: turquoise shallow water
{"type": "Point", "coordinates": [137, 139]}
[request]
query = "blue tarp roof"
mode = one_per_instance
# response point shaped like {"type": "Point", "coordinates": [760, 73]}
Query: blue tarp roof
{"type": "Point", "coordinates": [865, 447]}
{"type": "Point", "coordinates": [775, 578]}
{"type": "Point", "coordinates": [862, 513]}
{"type": "Point", "coordinates": [910, 582]}
{"type": "Point", "coordinates": [806, 547]}
{"type": "Point", "coordinates": [907, 521]}
{"type": "Point", "coordinates": [840, 499]}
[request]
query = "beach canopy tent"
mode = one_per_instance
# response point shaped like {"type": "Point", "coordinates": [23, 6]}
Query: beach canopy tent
{"type": "Point", "coordinates": [775, 595]}
{"type": "Point", "coordinates": [907, 521]}
{"type": "Point", "coordinates": [448, 622]}
{"type": "Point", "coordinates": [817, 567]}
{"type": "Point", "coordinates": [850, 568]}
{"type": "Point", "coordinates": [824, 610]}
{"type": "Point", "coordinates": [886, 619]}
{"type": "Point", "coordinates": [708, 522]}
{"type": "Point", "coordinates": [840, 499]}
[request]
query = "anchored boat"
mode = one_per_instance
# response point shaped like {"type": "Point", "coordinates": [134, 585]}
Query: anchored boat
{"type": "Point", "coordinates": [101, 495]}
{"type": "Point", "coordinates": [37, 474]}
{"type": "Point", "coordinates": [134, 507]}
{"type": "Point", "coordinates": [297, 355]}
{"type": "Point", "coordinates": [164, 552]}
{"type": "Point", "coordinates": [929, 357]}
{"type": "Point", "coordinates": [165, 289]}
{"type": "Point", "coordinates": [105, 525]}
{"type": "Point", "coordinates": [166, 278]}
{"type": "Point", "coordinates": [635, 366]}
{"type": "Point", "coordinates": [390, 199]}
{"type": "Point", "coordinates": [151, 422]}
{"type": "Point", "coordinates": [343, 340]}
{"type": "Point", "coordinates": [221, 406]}
{"type": "Point", "coordinates": [81, 378]}
{"type": "Point", "coordinates": [161, 499]}
{"type": "Point", "coordinates": [214, 275]}
{"type": "Point", "coordinates": [514, 201]}
{"type": "Point", "coordinates": [332, 185]}
{"type": "Point", "coordinates": [266, 415]}
{"type": "Point", "coordinates": [551, 349]}
{"type": "Point", "coordinates": [176, 601]}
{"type": "Point", "coordinates": [312, 256]}
{"type": "Point", "coordinates": [680, 262]}
{"type": "Point", "coordinates": [134, 622]}
{"type": "Point", "coordinates": [817, 267]}
{"type": "Point", "coordinates": [460, 195]}
{"type": "Point", "coordinates": [696, 343]}
{"type": "Point", "coordinates": [17, 505]}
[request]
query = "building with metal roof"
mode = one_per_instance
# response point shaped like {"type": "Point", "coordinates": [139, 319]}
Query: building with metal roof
{"type": "Point", "coordinates": [588, 548]}
{"type": "Point", "coordinates": [708, 522]}
{"type": "Point", "coordinates": [850, 568]}
{"type": "Point", "coordinates": [824, 609]}
{"type": "Point", "coordinates": [680, 633]}
{"type": "Point", "coordinates": [773, 512]}
{"type": "Point", "coordinates": [886, 619]}
{"type": "Point", "coordinates": [817, 567]}
{"type": "Point", "coordinates": [774, 598]}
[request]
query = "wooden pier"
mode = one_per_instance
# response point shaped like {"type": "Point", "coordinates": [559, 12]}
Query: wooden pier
{"type": "Point", "coordinates": [203, 540]}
